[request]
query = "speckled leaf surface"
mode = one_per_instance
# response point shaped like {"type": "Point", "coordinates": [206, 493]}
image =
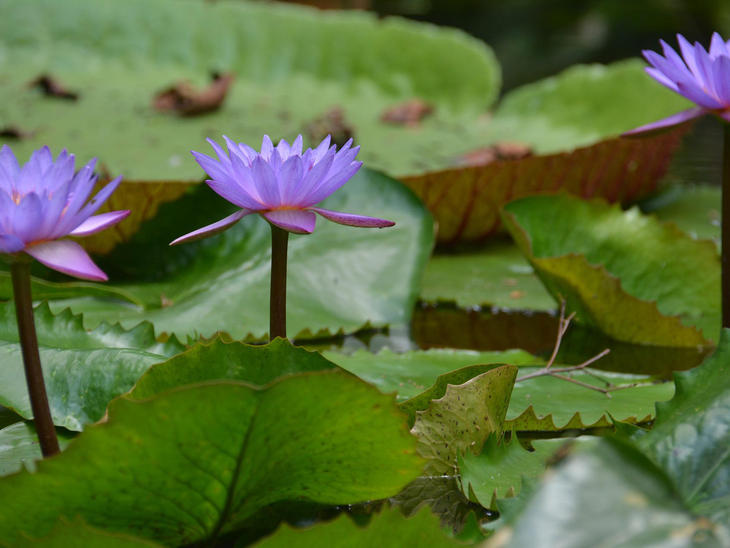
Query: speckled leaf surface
{"type": "Point", "coordinates": [626, 274]}
{"type": "Point", "coordinates": [463, 418]}
{"type": "Point", "coordinates": [83, 369]}
{"type": "Point", "coordinates": [197, 462]}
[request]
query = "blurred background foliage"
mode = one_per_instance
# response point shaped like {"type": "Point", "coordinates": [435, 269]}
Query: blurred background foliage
{"type": "Point", "coordinates": [534, 39]}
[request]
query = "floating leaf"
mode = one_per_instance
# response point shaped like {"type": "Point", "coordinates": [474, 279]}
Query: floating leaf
{"type": "Point", "coordinates": [611, 497]}
{"type": "Point", "coordinates": [694, 209]}
{"type": "Point", "coordinates": [197, 462]}
{"type": "Point", "coordinates": [463, 418]}
{"type": "Point", "coordinates": [340, 278]}
{"type": "Point", "coordinates": [286, 75]}
{"type": "Point", "coordinates": [497, 471]}
{"type": "Point", "coordinates": [19, 447]}
{"type": "Point", "coordinates": [691, 436]}
{"type": "Point", "coordinates": [387, 530]}
{"type": "Point", "coordinates": [409, 374]}
{"type": "Point", "coordinates": [236, 361]}
{"type": "Point", "coordinates": [68, 534]}
{"type": "Point", "coordinates": [83, 370]}
{"type": "Point", "coordinates": [497, 275]}
{"type": "Point", "coordinates": [623, 273]}
{"type": "Point", "coordinates": [572, 122]}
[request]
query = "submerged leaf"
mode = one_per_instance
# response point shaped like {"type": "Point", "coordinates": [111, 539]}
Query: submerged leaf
{"type": "Point", "coordinates": [20, 448]}
{"type": "Point", "coordinates": [197, 462]}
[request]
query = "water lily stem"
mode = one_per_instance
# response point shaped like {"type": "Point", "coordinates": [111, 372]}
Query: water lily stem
{"type": "Point", "coordinates": [20, 273]}
{"type": "Point", "coordinates": [277, 314]}
{"type": "Point", "coordinates": [725, 230]}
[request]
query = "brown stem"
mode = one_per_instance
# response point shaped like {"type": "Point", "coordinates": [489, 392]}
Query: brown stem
{"type": "Point", "coordinates": [20, 273]}
{"type": "Point", "coordinates": [277, 308]}
{"type": "Point", "coordinates": [725, 230]}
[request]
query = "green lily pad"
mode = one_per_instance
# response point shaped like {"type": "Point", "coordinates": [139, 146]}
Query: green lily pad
{"type": "Point", "coordinates": [387, 530]}
{"type": "Point", "coordinates": [410, 374]}
{"type": "Point", "coordinates": [255, 365]}
{"type": "Point", "coordinates": [694, 209]}
{"type": "Point", "coordinates": [498, 470]}
{"type": "Point", "coordinates": [83, 369]}
{"type": "Point", "coordinates": [19, 447]}
{"type": "Point", "coordinates": [68, 534]}
{"type": "Point", "coordinates": [341, 279]}
{"type": "Point", "coordinates": [691, 436]}
{"type": "Point", "coordinates": [626, 274]}
{"type": "Point", "coordinates": [611, 497]}
{"type": "Point", "coordinates": [291, 66]}
{"type": "Point", "coordinates": [497, 275]}
{"type": "Point", "coordinates": [194, 463]}
{"type": "Point", "coordinates": [463, 418]}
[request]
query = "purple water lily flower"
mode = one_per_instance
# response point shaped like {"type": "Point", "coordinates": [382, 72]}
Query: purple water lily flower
{"type": "Point", "coordinates": [281, 184]}
{"type": "Point", "coordinates": [44, 201]}
{"type": "Point", "coordinates": [701, 77]}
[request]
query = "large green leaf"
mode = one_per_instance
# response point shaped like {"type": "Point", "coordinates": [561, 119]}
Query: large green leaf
{"type": "Point", "coordinates": [497, 275]}
{"type": "Point", "coordinates": [340, 278]}
{"type": "Point", "coordinates": [83, 369]}
{"type": "Point", "coordinates": [19, 447]}
{"type": "Point", "coordinates": [197, 462]}
{"type": "Point", "coordinates": [386, 530]}
{"type": "Point", "coordinates": [609, 497]}
{"type": "Point", "coordinates": [463, 418]}
{"type": "Point", "coordinates": [622, 272]}
{"type": "Point", "coordinates": [694, 209]}
{"type": "Point", "coordinates": [542, 403]}
{"type": "Point", "coordinates": [498, 470]}
{"type": "Point", "coordinates": [68, 534]}
{"type": "Point", "coordinates": [236, 361]}
{"type": "Point", "coordinates": [291, 66]}
{"type": "Point", "coordinates": [690, 440]}
{"type": "Point", "coordinates": [410, 374]}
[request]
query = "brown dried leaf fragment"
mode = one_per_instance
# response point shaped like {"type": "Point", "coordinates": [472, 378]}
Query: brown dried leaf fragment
{"type": "Point", "coordinates": [331, 123]}
{"type": "Point", "coordinates": [493, 153]}
{"type": "Point", "coordinates": [51, 87]}
{"type": "Point", "coordinates": [186, 100]}
{"type": "Point", "coordinates": [14, 133]}
{"type": "Point", "coordinates": [409, 113]}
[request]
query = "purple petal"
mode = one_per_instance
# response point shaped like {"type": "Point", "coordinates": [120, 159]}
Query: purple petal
{"type": "Point", "coordinates": [667, 68]}
{"type": "Point", "coordinates": [721, 74]}
{"type": "Point", "coordinates": [213, 168]}
{"type": "Point", "coordinates": [214, 229]}
{"type": "Point", "coordinates": [10, 243]}
{"type": "Point", "coordinates": [725, 115]}
{"type": "Point", "coordinates": [658, 75]}
{"type": "Point", "coordinates": [292, 220]}
{"type": "Point", "coordinates": [26, 218]}
{"type": "Point", "coordinates": [266, 184]}
{"type": "Point", "coordinates": [704, 67]}
{"type": "Point", "coordinates": [237, 151]}
{"type": "Point", "coordinates": [95, 203]}
{"type": "Point", "coordinates": [352, 220]}
{"type": "Point", "coordinates": [97, 223]}
{"type": "Point", "coordinates": [675, 59]}
{"type": "Point", "coordinates": [717, 46]}
{"type": "Point", "coordinates": [314, 177]}
{"type": "Point", "coordinates": [234, 194]}
{"type": "Point", "coordinates": [694, 94]}
{"type": "Point", "coordinates": [9, 166]}
{"type": "Point", "coordinates": [319, 152]}
{"type": "Point", "coordinates": [688, 52]}
{"type": "Point", "coordinates": [284, 149]}
{"type": "Point", "coordinates": [296, 147]}
{"type": "Point", "coordinates": [290, 176]}
{"type": "Point", "coordinates": [222, 156]}
{"type": "Point", "coordinates": [267, 147]}
{"type": "Point", "coordinates": [67, 257]}
{"type": "Point", "coordinates": [667, 123]}
{"type": "Point", "coordinates": [331, 184]}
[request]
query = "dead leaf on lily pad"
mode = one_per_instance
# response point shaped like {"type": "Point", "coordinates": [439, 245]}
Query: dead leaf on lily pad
{"type": "Point", "coordinates": [186, 100]}
{"type": "Point", "coordinates": [466, 201]}
{"type": "Point", "coordinates": [51, 87]}
{"type": "Point", "coordinates": [410, 113]}
{"type": "Point", "coordinates": [330, 123]}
